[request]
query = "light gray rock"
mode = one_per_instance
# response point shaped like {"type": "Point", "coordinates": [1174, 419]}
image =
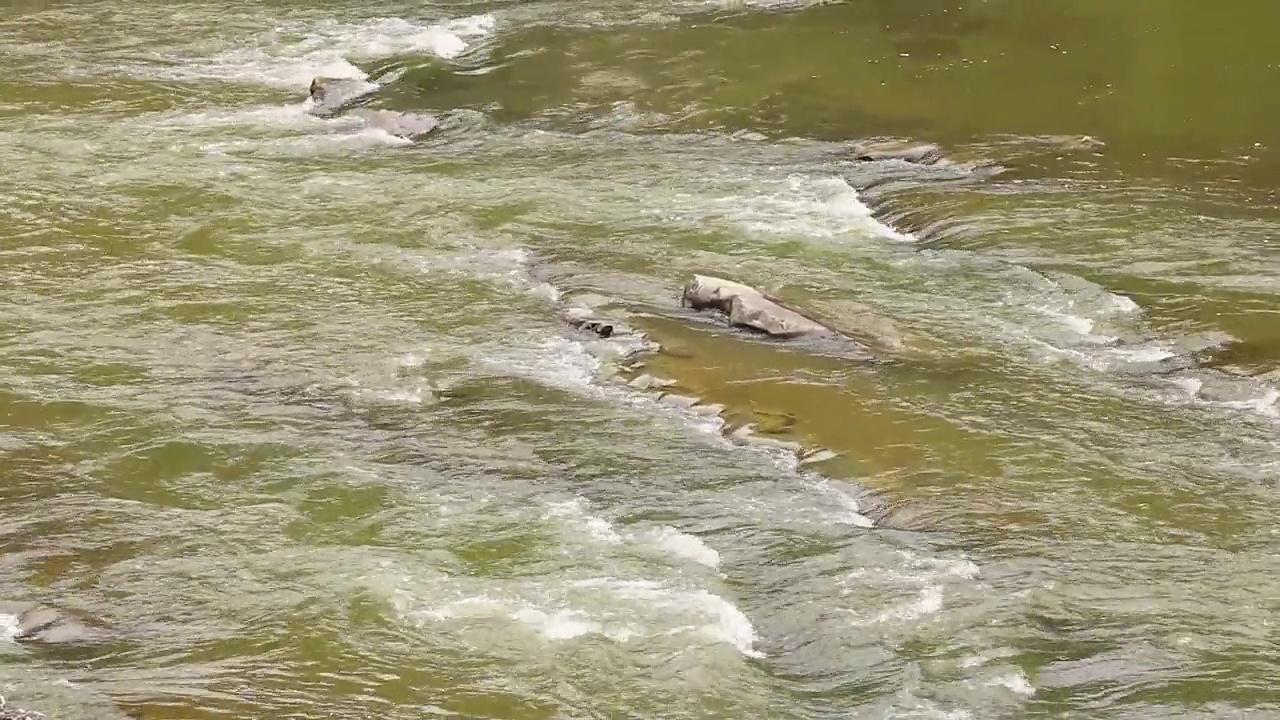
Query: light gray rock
{"type": "Point", "coordinates": [749, 308]}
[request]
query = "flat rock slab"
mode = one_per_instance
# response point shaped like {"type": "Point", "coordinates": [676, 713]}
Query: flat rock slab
{"type": "Point", "coordinates": [749, 308]}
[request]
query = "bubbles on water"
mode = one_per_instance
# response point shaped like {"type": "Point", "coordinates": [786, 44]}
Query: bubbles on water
{"type": "Point", "coordinates": [1016, 681]}
{"type": "Point", "coordinates": [1211, 388]}
{"type": "Point", "coordinates": [621, 610]}
{"type": "Point", "coordinates": [929, 576]}
{"type": "Point", "coordinates": [686, 546]}
{"type": "Point", "coordinates": [575, 511]}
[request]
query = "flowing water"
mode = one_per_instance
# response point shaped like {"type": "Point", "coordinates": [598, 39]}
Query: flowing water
{"type": "Point", "coordinates": [289, 416]}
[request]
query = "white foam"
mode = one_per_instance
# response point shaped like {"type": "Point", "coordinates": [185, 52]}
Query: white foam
{"type": "Point", "coordinates": [686, 546]}
{"type": "Point", "coordinates": [925, 577]}
{"type": "Point", "coordinates": [929, 602]}
{"type": "Point", "coordinates": [9, 626]}
{"type": "Point", "coordinates": [821, 207]}
{"type": "Point", "coordinates": [851, 513]}
{"type": "Point", "coordinates": [1016, 681]}
{"type": "Point", "coordinates": [1265, 402]}
{"type": "Point", "coordinates": [619, 610]}
{"type": "Point", "coordinates": [575, 512]}
{"type": "Point", "coordinates": [576, 367]}
{"type": "Point", "coordinates": [292, 115]}
{"type": "Point", "coordinates": [289, 58]}
{"type": "Point", "coordinates": [1078, 324]}
{"type": "Point", "coordinates": [559, 625]}
{"type": "Point", "coordinates": [728, 623]}
{"type": "Point", "coordinates": [576, 517]}
{"type": "Point", "coordinates": [1142, 354]}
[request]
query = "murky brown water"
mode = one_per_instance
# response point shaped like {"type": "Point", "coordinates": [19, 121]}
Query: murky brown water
{"type": "Point", "coordinates": [289, 417]}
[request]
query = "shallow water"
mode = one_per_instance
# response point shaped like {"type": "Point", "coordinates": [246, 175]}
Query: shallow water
{"type": "Point", "coordinates": [288, 410]}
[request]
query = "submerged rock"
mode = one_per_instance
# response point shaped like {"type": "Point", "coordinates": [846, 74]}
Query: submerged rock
{"type": "Point", "coordinates": [409, 126]}
{"type": "Point", "coordinates": [647, 381]}
{"type": "Point", "coordinates": [1079, 142]}
{"type": "Point", "coordinates": [1255, 356]}
{"type": "Point", "coordinates": [40, 623]}
{"type": "Point", "coordinates": [749, 308]}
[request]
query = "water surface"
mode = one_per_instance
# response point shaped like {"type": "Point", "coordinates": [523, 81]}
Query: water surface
{"type": "Point", "coordinates": [287, 408]}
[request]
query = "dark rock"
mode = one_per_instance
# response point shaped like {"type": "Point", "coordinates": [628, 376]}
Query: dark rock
{"type": "Point", "coordinates": [584, 319]}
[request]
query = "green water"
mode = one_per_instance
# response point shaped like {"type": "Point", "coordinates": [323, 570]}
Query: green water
{"type": "Point", "coordinates": [288, 413]}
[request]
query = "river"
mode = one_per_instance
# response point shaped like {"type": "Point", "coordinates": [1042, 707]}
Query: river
{"type": "Point", "coordinates": [290, 418]}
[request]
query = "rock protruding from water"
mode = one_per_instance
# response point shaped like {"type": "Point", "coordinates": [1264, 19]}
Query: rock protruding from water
{"type": "Point", "coordinates": [43, 624]}
{"type": "Point", "coordinates": [586, 319]}
{"type": "Point", "coordinates": [917, 154]}
{"type": "Point", "coordinates": [749, 308]}
{"type": "Point", "coordinates": [329, 95]}
{"type": "Point", "coordinates": [333, 96]}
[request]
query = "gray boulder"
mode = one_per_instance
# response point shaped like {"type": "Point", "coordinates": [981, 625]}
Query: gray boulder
{"type": "Point", "coordinates": [749, 308]}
